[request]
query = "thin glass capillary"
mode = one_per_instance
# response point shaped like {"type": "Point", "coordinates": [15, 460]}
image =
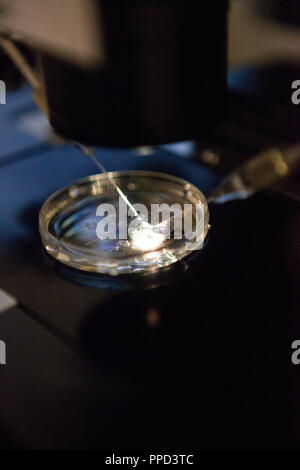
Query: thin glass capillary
{"type": "Point", "coordinates": [145, 236]}
{"type": "Point", "coordinates": [89, 152]}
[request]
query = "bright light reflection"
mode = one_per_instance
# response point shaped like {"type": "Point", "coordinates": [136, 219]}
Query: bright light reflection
{"type": "Point", "coordinates": [145, 238]}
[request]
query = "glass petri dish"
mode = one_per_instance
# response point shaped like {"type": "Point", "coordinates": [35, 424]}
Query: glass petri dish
{"type": "Point", "coordinates": [78, 234]}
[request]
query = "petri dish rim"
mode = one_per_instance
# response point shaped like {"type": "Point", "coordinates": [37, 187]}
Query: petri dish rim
{"type": "Point", "coordinates": [56, 248]}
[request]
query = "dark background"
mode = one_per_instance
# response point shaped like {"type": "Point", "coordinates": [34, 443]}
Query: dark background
{"type": "Point", "coordinates": [85, 366]}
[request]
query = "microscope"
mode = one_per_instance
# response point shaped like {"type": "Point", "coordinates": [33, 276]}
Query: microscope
{"type": "Point", "coordinates": [126, 73]}
{"type": "Point", "coordinates": [132, 74]}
